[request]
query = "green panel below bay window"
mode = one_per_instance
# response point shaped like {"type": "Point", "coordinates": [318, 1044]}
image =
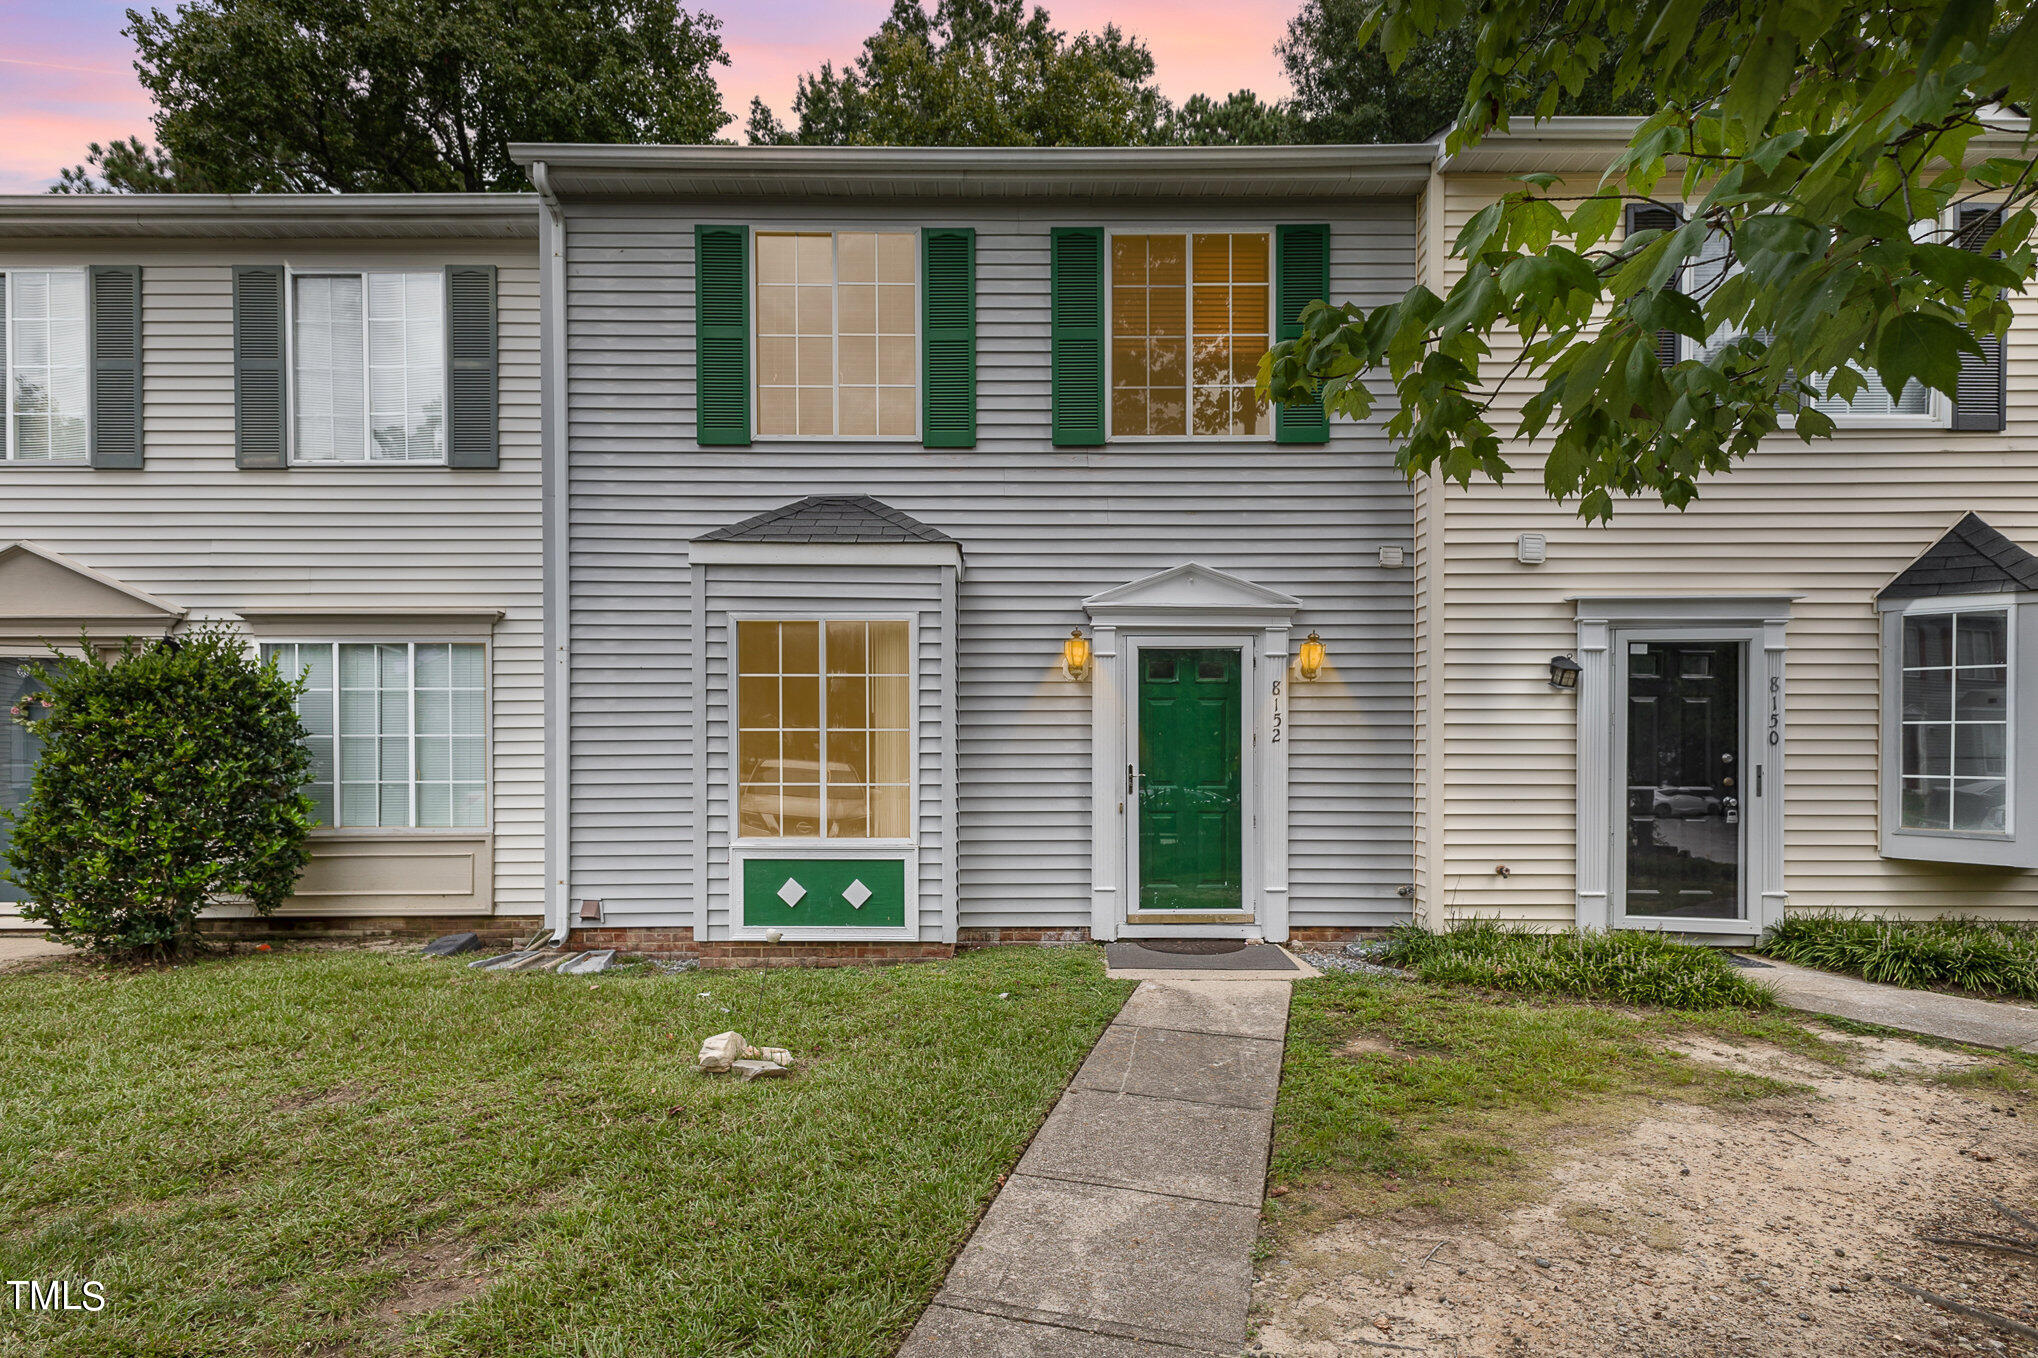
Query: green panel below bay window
{"type": "Point", "coordinates": [824, 893]}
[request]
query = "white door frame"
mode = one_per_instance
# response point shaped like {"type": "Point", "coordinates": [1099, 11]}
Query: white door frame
{"type": "Point", "coordinates": [1245, 922]}
{"type": "Point", "coordinates": [1190, 605]}
{"type": "Point", "coordinates": [1605, 626]}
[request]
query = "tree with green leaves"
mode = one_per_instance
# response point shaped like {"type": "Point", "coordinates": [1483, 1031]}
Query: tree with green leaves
{"type": "Point", "coordinates": [1821, 160]}
{"type": "Point", "coordinates": [1346, 89]}
{"type": "Point", "coordinates": [976, 73]}
{"type": "Point", "coordinates": [402, 96]}
{"type": "Point", "coordinates": [170, 778]}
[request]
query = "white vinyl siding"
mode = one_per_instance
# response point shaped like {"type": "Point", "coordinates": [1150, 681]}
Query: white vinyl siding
{"type": "Point", "coordinates": [47, 370]}
{"type": "Point", "coordinates": [192, 528]}
{"type": "Point", "coordinates": [408, 719]}
{"type": "Point", "coordinates": [368, 367]}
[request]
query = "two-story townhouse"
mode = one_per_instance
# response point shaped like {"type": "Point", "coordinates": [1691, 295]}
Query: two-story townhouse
{"type": "Point", "coordinates": [1812, 689]}
{"type": "Point", "coordinates": [314, 419]}
{"type": "Point", "coordinates": [925, 570]}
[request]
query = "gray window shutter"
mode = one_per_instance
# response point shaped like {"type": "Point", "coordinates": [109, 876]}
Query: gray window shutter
{"type": "Point", "coordinates": [261, 384]}
{"type": "Point", "coordinates": [1650, 217]}
{"type": "Point", "coordinates": [471, 367]}
{"type": "Point", "coordinates": [1982, 402]}
{"type": "Point", "coordinates": [116, 347]}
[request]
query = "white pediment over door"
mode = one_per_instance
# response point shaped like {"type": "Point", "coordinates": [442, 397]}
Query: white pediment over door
{"type": "Point", "coordinates": [47, 597]}
{"type": "Point", "coordinates": [1189, 593]}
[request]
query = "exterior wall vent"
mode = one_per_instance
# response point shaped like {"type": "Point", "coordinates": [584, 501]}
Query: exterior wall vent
{"type": "Point", "coordinates": [1531, 549]}
{"type": "Point", "coordinates": [1390, 557]}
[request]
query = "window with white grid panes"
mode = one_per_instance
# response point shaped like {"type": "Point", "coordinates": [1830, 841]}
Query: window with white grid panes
{"type": "Point", "coordinates": [368, 367]}
{"type": "Point", "coordinates": [46, 371]}
{"type": "Point", "coordinates": [1191, 316]}
{"type": "Point", "coordinates": [824, 729]}
{"type": "Point", "coordinates": [396, 731]}
{"type": "Point", "coordinates": [838, 348]}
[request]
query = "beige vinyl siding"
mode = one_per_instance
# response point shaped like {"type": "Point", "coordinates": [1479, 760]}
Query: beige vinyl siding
{"type": "Point", "coordinates": [1832, 522]}
{"type": "Point", "coordinates": [192, 529]}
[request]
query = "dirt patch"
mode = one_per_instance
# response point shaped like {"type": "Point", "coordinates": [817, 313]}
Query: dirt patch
{"type": "Point", "coordinates": [433, 1275]}
{"type": "Point", "coordinates": [339, 1096]}
{"type": "Point", "coordinates": [1769, 1228]}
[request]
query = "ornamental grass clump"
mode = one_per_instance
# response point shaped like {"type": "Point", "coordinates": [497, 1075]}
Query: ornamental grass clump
{"type": "Point", "coordinates": [1626, 965]}
{"type": "Point", "coordinates": [1982, 956]}
{"type": "Point", "coordinates": [169, 779]}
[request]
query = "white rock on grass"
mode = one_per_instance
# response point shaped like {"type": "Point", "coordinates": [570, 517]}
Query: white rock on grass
{"type": "Point", "coordinates": [758, 1070]}
{"type": "Point", "coordinates": [776, 1054]}
{"type": "Point", "coordinates": [722, 1051]}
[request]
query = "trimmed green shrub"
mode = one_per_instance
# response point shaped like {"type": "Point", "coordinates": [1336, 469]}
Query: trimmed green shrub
{"type": "Point", "coordinates": [169, 779]}
{"type": "Point", "coordinates": [1981, 956]}
{"type": "Point", "coordinates": [1624, 965]}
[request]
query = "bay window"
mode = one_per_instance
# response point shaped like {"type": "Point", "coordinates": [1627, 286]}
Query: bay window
{"type": "Point", "coordinates": [1191, 317]}
{"type": "Point", "coordinates": [1955, 702]}
{"type": "Point", "coordinates": [838, 348]}
{"type": "Point", "coordinates": [824, 729]}
{"type": "Point", "coordinates": [45, 348]}
{"type": "Point", "coordinates": [368, 367]}
{"type": "Point", "coordinates": [396, 731]}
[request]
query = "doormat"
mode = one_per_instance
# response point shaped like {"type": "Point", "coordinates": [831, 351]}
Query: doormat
{"type": "Point", "coordinates": [1129, 956]}
{"type": "Point", "coordinates": [1195, 947]}
{"type": "Point", "coordinates": [1748, 962]}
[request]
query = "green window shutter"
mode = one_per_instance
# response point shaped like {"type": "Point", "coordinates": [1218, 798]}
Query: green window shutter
{"type": "Point", "coordinates": [1301, 276]}
{"type": "Point", "coordinates": [261, 383]}
{"type": "Point", "coordinates": [116, 346]}
{"type": "Point", "coordinates": [721, 334]}
{"type": "Point", "coordinates": [471, 367]}
{"type": "Point", "coordinates": [948, 337]}
{"type": "Point", "coordinates": [1077, 334]}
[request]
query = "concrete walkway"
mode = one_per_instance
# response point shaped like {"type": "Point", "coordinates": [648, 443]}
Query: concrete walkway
{"type": "Point", "coordinates": [26, 947]}
{"type": "Point", "coordinates": [1127, 1230]}
{"type": "Point", "coordinates": [1984, 1023]}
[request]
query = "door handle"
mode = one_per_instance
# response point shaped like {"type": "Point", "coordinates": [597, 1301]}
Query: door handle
{"type": "Point", "coordinates": [1131, 780]}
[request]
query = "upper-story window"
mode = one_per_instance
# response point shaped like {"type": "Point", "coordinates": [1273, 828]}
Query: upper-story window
{"type": "Point", "coordinates": [45, 365]}
{"type": "Point", "coordinates": [838, 338]}
{"type": "Point", "coordinates": [368, 367]}
{"type": "Point", "coordinates": [1191, 317]}
{"type": "Point", "coordinates": [1871, 405]}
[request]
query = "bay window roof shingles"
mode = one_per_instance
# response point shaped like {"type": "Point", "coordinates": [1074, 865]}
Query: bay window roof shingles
{"type": "Point", "coordinates": [1972, 558]}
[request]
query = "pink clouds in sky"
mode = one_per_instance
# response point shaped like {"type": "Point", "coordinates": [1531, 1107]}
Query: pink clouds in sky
{"type": "Point", "coordinates": [67, 73]}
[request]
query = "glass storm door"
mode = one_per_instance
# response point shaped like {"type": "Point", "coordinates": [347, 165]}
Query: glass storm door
{"type": "Point", "coordinates": [1685, 799]}
{"type": "Point", "coordinates": [18, 753]}
{"type": "Point", "coordinates": [1191, 784]}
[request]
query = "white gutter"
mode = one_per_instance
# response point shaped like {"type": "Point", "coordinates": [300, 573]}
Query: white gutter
{"type": "Point", "coordinates": [559, 669]}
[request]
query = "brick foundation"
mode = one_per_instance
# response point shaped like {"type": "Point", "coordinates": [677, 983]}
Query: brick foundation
{"type": "Point", "coordinates": [992, 936]}
{"type": "Point", "coordinates": [1332, 935]}
{"type": "Point", "coordinates": [749, 952]}
{"type": "Point", "coordinates": [500, 930]}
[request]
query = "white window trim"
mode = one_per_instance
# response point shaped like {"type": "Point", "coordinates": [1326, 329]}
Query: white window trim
{"type": "Point", "coordinates": [7, 352]}
{"type": "Point", "coordinates": [821, 843]}
{"type": "Point", "coordinates": [2006, 848]}
{"type": "Point", "coordinates": [291, 274]}
{"type": "Point", "coordinates": [1938, 413]}
{"type": "Point", "coordinates": [835, 337]}
{"type": "Point", "coordinates": [487, 730]}
{"type": "Point", "coordinates": [1188, 233]}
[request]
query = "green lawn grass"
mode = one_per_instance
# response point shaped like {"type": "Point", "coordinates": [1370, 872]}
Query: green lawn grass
{"type": "Point", "coordinates": [303, 1152]}
{"type": "Point", "coordinates": [1396, 1094]}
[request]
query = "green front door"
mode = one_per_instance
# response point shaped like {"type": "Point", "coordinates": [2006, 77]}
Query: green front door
{"type": "Point", "coordinates": [1191, 787]}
